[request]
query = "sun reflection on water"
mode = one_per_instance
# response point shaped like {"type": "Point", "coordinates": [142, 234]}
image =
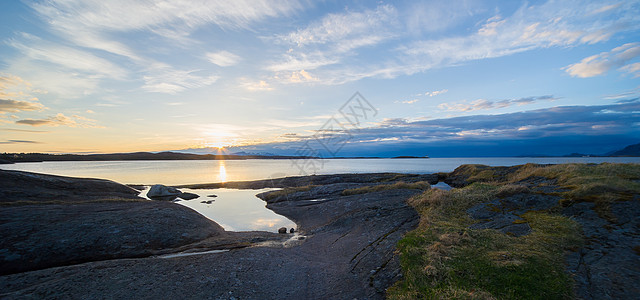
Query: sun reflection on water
{"type": "Point", "coordinates": [222, 171]}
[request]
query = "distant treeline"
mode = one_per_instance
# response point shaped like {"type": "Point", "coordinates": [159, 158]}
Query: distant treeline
{"type": "Point", "coordinates": [39, 157]}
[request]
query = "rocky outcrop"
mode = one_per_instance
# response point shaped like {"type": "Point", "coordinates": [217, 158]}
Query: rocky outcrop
{"type": "Point", "coordinates": [162, 192]}
{"type": "Point", "coordinates": [18, 186]}
{"type": "Point", "coordinates": [344, 247]}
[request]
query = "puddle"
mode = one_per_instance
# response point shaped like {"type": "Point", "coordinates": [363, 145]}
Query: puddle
{"type": "Point", "coordinates": [235, 210]}
{"type": "Point", "coordinates": [442, 185]}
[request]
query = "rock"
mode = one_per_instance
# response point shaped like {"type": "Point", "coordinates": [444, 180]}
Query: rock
{"type": "Point", "coordinates": [206, 201]}
{"type": "Point", "coordinates": [188, 196]}
{"type": "Point", "coordinates": [292, 230]}
{"type": "Point", "coordinates": [212, 196]}
{"type": "Point", "coordinates": [162, 192]}
{"type": "Point", "coordinates": [282, 230]}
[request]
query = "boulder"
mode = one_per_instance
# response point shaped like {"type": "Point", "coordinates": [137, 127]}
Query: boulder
{"type": "Point", "coordinates": [162, 192]}
{"type": "Point", "coordinates": [282, 230]}
{"type": "Point", "coordinates": [188, 196]}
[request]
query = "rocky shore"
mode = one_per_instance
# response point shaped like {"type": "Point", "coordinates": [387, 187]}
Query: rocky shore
{"type": "Point", "coordinates": [57, 245]}
{"type": "Point", "coordinates": [94, 239]}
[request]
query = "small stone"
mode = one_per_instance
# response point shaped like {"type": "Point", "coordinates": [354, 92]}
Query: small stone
{"type": "Point", "coordinates": [282, 230]}
{"type": "Point", "coordinates": [212, 196]}
{"type": "Point", "coordinates": [292, 230]}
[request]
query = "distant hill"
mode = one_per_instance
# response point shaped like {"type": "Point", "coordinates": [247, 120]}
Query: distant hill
{"type": "Point", "coordinates": [631, 150]}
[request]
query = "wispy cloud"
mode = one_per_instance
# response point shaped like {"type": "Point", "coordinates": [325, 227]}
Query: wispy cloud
{"type": "Point", "coordinates": [482, 104]}
{"type": "Point", "coordinates": [164, 79]}
{"type": "Point", "coordinates": [61, 120]}
{"type": "Point", "coordinates": [19, 142]}
{"type": "Point", "coordinates": [223, 58]}
{"type": "Point", "coordinates": [601, 63]}
{"type": "Point", "coordinates": [412, 101]}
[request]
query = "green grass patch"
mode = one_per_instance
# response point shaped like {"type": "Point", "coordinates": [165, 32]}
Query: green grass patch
{"type": "Point", "coordinates": [420, 185]}
{"type": "Point", "coordinates": [444, 259]}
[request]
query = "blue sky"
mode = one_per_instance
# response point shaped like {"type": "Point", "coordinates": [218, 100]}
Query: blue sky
{"type": "Point", "coordinates": [442, 78]}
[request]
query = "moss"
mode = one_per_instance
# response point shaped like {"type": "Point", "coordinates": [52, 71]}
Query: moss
{"type": "Point", "coordinates": [420, 185]}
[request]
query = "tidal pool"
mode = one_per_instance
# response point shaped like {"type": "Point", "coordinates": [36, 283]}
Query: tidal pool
{"type": "Point", "coordinates": [235, 210]}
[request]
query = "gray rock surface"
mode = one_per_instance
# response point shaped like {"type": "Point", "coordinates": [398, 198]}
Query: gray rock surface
{"type": "Point", "coordinates": [18, 186]}
{"type": "Point", "coordinates": [344, 248]}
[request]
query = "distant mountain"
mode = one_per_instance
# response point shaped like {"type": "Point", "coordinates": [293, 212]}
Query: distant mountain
{"type": "Point", "coordinates": [631, 150]}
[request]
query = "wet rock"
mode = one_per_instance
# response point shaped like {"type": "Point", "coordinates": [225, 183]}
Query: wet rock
{"type": "Point", "coordinates": [282, 230]}
{"type": "Point", "coordinates": [292, 230]}
{"type": "Point", "coordinates": [212, 196]}
{"type": "Point", "coordinates": [188, 196]}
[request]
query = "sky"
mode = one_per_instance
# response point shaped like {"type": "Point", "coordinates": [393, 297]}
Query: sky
{"type": "Point", "coordinates": [325, 78]}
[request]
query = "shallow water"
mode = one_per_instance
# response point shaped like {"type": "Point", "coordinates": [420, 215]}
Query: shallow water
{"type": "Point", "coordinates": [235, 210]}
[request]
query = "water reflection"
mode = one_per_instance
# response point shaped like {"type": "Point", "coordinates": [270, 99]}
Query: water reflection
{"type": "Point", "coordinates": [235, 210]}
{"type": "Point", "coordinates": [222, 171]}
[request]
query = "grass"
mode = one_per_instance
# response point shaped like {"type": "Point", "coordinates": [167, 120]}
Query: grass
{"type": "Point", "coordinates": [420, 185]}
{"type": "Point", "coordinates": [444, 259]}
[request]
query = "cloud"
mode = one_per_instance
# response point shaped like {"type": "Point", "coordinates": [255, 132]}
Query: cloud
{"type": "Point", "coordinates": [94, 22]}
{"type": "Point", "coordinates": [435, 93]}
{"type": "Point", "coordinates": [24, 130]}
{"type": "Point", "coordinates": [61, 120]}
{"type": "Point", "coordinates": [16, 106]}
{"type": "Point", "coordinates": [407, 101]}
{"type": "Point", "coordinates": [333, 38]}
{"type": "Point", "coordinates": [165, 79]}
{"type": "Point", "coordinates": [259, 85]}
{"type": "Point", "coordinates": [633, 69]}
{"type": "Point", "coordinates": [19, 142]}
{"type": "Point", "coordinates": [531, 27]}
{"type": "Point", "coordinates": [601, 63]}
{"type": "Point", "coordinates": [223, 58]}
{"type": "Point", "coordinates": [69, 58]}
{"type": "Point", "coordinates": [482, 104]}
{"type": "Point", "coordinates": [301, 76]}
{"type": "Point", "coordinates": [346, 31]}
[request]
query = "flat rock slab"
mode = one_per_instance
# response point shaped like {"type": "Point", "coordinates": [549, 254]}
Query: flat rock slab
{"type": "Point", "coordinates": [18, 186]}
{"type": "Point", "coordinates": [345, 250]}
{"type": "Point", "coordinates": [42, 236]}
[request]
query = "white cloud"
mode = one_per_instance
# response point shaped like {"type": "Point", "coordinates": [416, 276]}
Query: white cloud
{"type": "Point", "coordinates": [407, 101]}
{"type": "Point", "coordinates": [69, 58]}
{"type": "Point", "coordinates": [601, 63]}
{"type": "Point", "coordinates": [632, 69]}
{"type": "Point", "coordinates": [436, 93]}
{"type": "Point", "coordinates": [162, 78]}
{"type": "Point", "coordinates": [346, 31]}
{"type": "Point", "coordinates": [223, 58]}
{"type": "Point", "coordinates": [551, 24]}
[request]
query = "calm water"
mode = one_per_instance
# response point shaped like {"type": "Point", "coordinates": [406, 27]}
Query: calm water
{"type": "Point", "coordinates": [207, 171]}
{"type": "Point", "coordinates": [241, 210]}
